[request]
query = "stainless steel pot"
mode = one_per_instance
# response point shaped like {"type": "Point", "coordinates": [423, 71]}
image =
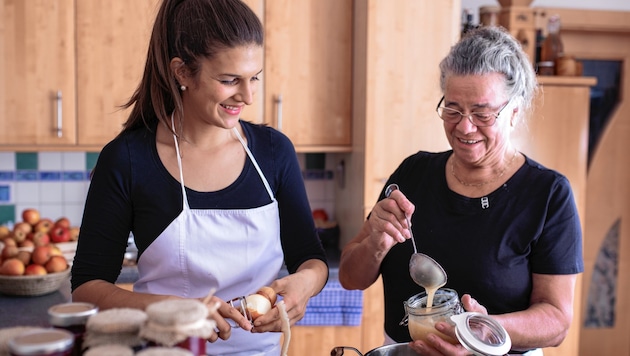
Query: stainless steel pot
{"type": "Point", "coordinates": [401, 349]}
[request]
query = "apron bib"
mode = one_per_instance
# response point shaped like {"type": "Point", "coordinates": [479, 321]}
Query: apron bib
{"type": "Point", "coordinates": [235, 251]}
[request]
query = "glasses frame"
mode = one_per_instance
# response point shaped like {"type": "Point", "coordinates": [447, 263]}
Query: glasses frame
{"type": "Point", "coordinates": [471, 114]}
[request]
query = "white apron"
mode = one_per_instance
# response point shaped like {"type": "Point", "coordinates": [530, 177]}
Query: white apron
{"type": "Point", "coordinates": [235, 251]}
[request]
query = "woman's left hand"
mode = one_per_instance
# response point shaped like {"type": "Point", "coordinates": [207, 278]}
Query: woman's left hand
{"type": "Point", "coordinates": [435, 345]}
{"type": "Point", "coordinates": [295, 289]}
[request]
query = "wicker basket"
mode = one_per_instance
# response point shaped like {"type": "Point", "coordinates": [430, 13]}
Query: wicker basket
{"type": "Point", "coordinates": [33, 285]}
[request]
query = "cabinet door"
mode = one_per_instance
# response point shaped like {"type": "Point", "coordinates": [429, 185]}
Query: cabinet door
{"type": "Point", "coordinates": [37, 92]}
{"type": "Point", "coordinates": [307, 76]}
{"type": "Point", "coordinates": [112, 42]}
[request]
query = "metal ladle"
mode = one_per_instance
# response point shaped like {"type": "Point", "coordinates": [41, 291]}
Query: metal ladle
{"type": "Point", "coordinates": [424, 270]}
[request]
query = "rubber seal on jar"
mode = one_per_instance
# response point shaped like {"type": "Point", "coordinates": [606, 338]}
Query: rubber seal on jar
{"type": "Point", "coordinates": [481, 335]}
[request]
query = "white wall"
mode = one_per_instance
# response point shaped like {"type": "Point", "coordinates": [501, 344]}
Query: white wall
{"type": "Point", "coordinates": [608, 5]}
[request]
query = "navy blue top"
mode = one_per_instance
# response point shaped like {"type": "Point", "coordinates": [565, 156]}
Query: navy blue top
{"type": "Point", "coordinates": [531, 225]}
{"type": "Point", "coordinates": [131, 191]}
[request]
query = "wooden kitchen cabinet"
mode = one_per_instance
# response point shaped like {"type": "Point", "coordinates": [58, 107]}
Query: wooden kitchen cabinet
{"type": "Point", "coordinates": [307, 78]}
{"type": "Point", "coordinates": [66, 68]}
{"type": "Point", "coordinates": [37, 64]}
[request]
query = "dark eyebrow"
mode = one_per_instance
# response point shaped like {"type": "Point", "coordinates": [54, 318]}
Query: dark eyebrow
{"type": "Point", "coordinates": [239, 76]}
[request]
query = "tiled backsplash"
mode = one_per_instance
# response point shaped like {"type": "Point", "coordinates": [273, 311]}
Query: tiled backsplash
{"type": "Point", "coordinates": [56, 183]}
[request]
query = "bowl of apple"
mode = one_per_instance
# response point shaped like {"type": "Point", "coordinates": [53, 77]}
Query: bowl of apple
{"type": "Point", "coordinates": [33, 285]}
{"type": "Point", "coordinates": [32, 271]}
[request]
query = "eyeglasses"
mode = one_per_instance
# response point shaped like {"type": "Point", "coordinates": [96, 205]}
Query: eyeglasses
{"type": "Point", "coordinates": [480, 119]}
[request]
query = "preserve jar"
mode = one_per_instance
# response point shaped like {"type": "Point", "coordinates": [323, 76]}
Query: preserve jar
{"type": "Point", "coordinates": [115, 326]}
{"type": "Point", "coordinates": [181, 323]}
{"type": "Point", "coordinates": [421, 319]}
{"type": "Point", "coordinates": [72, 317]}
{"type": "Point", "coordinates": [44, 342]}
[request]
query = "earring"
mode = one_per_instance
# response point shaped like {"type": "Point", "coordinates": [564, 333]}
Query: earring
{"type": "Point", "coordinates": [183, 88]}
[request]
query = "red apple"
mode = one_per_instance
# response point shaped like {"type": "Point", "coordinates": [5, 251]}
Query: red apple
{"type": "Point", "coordinates": [9, 252]}
{"type": "Point", "coordinates": [24, 256]}
{"type": "Point", "coordinates": [12, 267]}
{"type": "Point", "coordinates": [63, 221]}
{"type": "Point", "coordinates": [56, 264]}
{"type": "Point", "coordinates": [59, 234]}
{"type": "Point", "coordinates": [44, 225]}
{"type": "Point", "coordinates": [41, 254]}
{"type": "Point", "coordinates": [9, 241]}
{"type": "Point", "coordinates": [320, 214]}
{"type": "Point", "coordinates": [55, 250]}
{"type": "Point", "coordinates": [20, 230]}
{"type": "Point", "coordinates": [35, 269]}
{"type": "Point", "coordinates": [39, 238]}
{"type": "Point", "coordinates": [27, 244]}
{"type": "Point", "coordinates": [30, 216]}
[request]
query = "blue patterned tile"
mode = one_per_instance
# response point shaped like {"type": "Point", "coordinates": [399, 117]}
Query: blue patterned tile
{"type": "Point", "coordinates": [5, 194]}
{"type": "Point", "coordinates": [73, 176]}
{"type": "Point", "coordinates": [50, 176]}
{"type": "Point", "coordinates": [26, 176]}
{"type": "Point", "coordinates": [6, 176]}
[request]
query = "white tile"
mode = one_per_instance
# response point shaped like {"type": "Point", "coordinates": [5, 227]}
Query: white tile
{"type": "Point", "coordinates": [50, 192]}
{"type": "Point", "coordinates": [52, 211]}
{"type": "Point", "coordinates": [49, 161]}
{"type": "Point", "coordinates": [74, 213]}
{"type": "Point", "coordinates": [73, 161]}
{"type": "Point", "coordinates": [329, 190]}
{"type": "Point", "coordinates": [27, 192]}
{"type": "Point", "coordinates": [314, 190]}
{"type": "Point", "coordinates": [74, 192]}
{"type": "Point", "coordinates": [7, 161]}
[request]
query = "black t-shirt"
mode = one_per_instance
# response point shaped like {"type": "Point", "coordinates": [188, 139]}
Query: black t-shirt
{"type": "Point", "coordinates": [131, 191]}
{"type": "Point", "coordinates": [530, 225]}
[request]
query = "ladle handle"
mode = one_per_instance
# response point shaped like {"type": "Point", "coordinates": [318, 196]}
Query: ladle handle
{"type": "Point", "coordinates": [388, 191]}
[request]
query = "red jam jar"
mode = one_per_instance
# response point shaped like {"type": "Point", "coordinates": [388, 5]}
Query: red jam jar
{"type": "Point", "coordinates": [72, 317]}
{"type": "Point", "coordinates": [46, 342]}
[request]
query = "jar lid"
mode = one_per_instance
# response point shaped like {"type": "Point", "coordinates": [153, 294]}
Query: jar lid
{"type": "Point", "coordinates": [69, 314]}
{"type": "Point", "coordinates": [481, 335]}
{"type": "Point", "coordinates": [41, 342]}
{"type": "Point", "coordinates": [117, 320]}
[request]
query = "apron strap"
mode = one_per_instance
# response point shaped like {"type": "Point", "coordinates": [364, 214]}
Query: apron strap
{"type": "Point", "coordinates": [251, 157]}
{"type": "Point", "coordinates": [179, 165]}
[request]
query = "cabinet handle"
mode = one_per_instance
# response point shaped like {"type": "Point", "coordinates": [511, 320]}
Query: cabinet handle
{"type": "Point", "coordinates": [59, 113]}
{"type": "Point", "coordinates": [279, 112]}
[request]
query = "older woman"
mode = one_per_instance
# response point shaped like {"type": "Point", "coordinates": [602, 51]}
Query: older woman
{"type": "Point", "coordinates": [505, 229]}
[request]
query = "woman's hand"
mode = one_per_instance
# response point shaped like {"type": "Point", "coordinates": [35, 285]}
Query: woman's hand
{"type": "Point", "coordinates": [223, 312]}
{"type": "Point", "coordinates": [435, 345]}
{"type": "Point", "coordinates": [295, 290]}
{"type": "Point", "coordinates": [389, 220]}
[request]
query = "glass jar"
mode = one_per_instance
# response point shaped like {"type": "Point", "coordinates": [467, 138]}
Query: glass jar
{"type": "Point", "coordinates": [421, 320]}
{"type": "Point", "coordinates": [72, 317]}
{"type": "Point", "coordinates": [45, 342]}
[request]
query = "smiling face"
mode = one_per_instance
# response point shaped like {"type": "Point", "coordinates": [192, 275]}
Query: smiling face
{"type": "Point", "coordinates": [225, 83]}
{"type": "Point", "coordinates": [472, 145]}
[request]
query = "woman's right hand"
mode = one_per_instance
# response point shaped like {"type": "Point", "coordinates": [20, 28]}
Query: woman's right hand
{"type": "Point", "coordinates": [389, 220]}
{"type": "Point", "coordinates": [220, 316]}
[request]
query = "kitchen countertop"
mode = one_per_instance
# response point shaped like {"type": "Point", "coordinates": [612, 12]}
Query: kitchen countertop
{"type": "Point", "coordinates": [33, 311]}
